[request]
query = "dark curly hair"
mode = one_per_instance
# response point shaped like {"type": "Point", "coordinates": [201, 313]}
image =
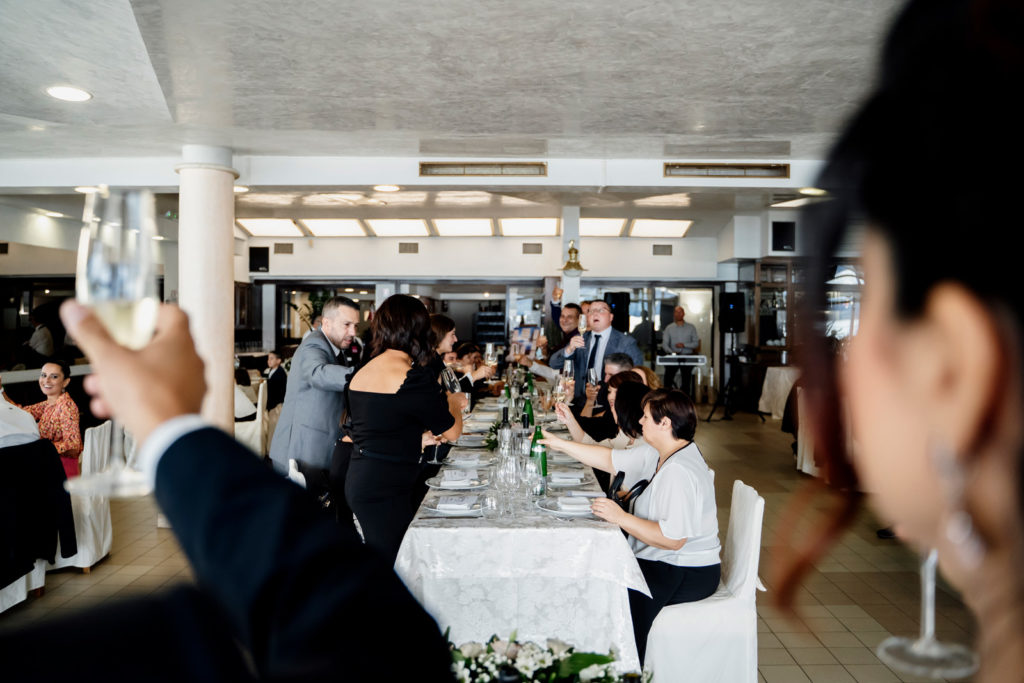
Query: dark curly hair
{"type": "Point", "coordinates": [402, 323]}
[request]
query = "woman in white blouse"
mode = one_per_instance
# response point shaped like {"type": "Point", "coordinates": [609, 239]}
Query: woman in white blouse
{"type": "Point", "coordinates": [673, 526]}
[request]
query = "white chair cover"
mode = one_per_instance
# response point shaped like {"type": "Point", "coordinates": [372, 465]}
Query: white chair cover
{"type": "Point", "coordinates": [93, 529]}
{"type": "Point", "coordinates": [17, 591]}
{"type": "Point", "coordinates": [294, 474]}
{"type": "Point", "coordinates": [804, 439]}
{"type": "Point", "coordinates": [251, 433]}
{"type": "Point", "coordinates": [715, 640]}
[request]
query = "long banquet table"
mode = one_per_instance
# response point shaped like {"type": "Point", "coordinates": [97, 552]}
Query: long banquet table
{"type": "Point", "coordinates": [537, 574]}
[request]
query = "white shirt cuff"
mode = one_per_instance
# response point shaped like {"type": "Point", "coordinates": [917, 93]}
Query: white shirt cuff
{"type": "Point", "coordinates": [162, 438]}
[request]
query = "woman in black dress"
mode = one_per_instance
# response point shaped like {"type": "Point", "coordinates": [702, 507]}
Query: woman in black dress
{"type": "Point", "coordinates": [393, 400]}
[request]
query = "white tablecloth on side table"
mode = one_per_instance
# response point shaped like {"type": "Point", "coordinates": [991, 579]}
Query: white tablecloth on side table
{"type": "Point", "coordinates": [778, 381]}
{"type": "Point", "coordinates": [537, 575]}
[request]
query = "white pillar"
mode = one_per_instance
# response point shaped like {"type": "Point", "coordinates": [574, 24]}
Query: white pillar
{"type": "Point", "coordinates": [206, 219]}
{"type": "Point", "coordinates": [570, 231]}
{"type": "Point", "coordinates": [269, 316]}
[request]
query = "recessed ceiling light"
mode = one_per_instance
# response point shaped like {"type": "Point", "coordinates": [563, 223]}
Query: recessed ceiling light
{"type": "Point", "coordinates": [53, 214]}
{"type": "Point", "coordinates": [792, 203]}
{"type": "Point", "coordinates": [349, 289]}
{"type": "Point", "coordinates": [463, 227]}
{"type": "Point", "coordinates": [648, 227]}
{"type": "Point", "coordinates": [84, 189]}
{"type": "Point", "coordinates": [398, 227]}
{"type": "Point", "coordinates": [601, 227]}
{"type": "Point", "coordinates": [487, 294]}
{"type": "Point", "coordinates": [239, 189]}
{"type": "Point", "coordinates": [46, 291]}
{"type": "Point", "coordinates": [812, 191]}
{"type": "Point", "coordinates": [270, 227]}
{"type": "Point", "coordinates": [36, 128]}
{"type": "Point", "coordinates": [363, 291]}
{"type": "Point", "coordinates": [334, 227]}
{"type": "Point", "coordinates": [159, 238]}
{"type": "Point", "coordinates": [386, 188]}
{"type": "Point", "coordinates": [529, 227]}
{"type": "Point", "coordinates": [68, 93]}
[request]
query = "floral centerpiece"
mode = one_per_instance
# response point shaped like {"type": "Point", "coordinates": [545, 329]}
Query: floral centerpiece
{"type": "Point", "coordinates": [509, 661]}
{"type": "Point", "coordinates": [491, 440]}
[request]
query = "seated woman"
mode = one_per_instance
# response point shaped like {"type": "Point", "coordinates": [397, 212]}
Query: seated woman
{"type": "Point", "coordinates": [57, 416]}
{"type": "Point", "coordinates": [673, 528]}
{"type": "Point", "coordinates": [442, 340]}
{"type": "Point", "coordinates": [393, 400]}
{"type": "Point", "coordinates": [626, 413]}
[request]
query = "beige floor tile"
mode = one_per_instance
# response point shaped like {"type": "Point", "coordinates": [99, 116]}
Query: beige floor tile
{"type": "Point", "coordinates": [812, 655]}
{"type": "Point", "coordinates": [828, 673]}
{"type": "Point", "coordinates": [872, 673]}
{"type": "Point", "coordinates": [854, 655]}
{"type": "Point", "coordinates": [774, 656]}
{"type": "Point", "coordinates": [783, 674]}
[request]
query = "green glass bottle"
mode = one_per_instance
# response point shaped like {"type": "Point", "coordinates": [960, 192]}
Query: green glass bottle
{"type": "Point", "coordinates": [528, 410]}
{"type": "Point", "coordinates": [539, 452]}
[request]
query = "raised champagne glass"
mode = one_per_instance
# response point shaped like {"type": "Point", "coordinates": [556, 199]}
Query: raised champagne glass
{"type": "Point", "coordinates": [116, 278]}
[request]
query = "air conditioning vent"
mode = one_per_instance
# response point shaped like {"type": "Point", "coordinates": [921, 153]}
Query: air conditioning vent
{"type": "Point", "coordinates": [457, 168]}
{"type": "Point", "coordinates": [678, 170]}
{"type": "Point", "coordinates": [408, 247]}
{"type": "Point", "coordinates": [284, 248]}
{"type": "Point", "coordinates": [533, 248]}
{"type": "Point", "coordinates": [661, 250]}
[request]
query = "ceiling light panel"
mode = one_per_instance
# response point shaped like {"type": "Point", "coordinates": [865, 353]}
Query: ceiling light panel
{"type": "Point", "coordinates": [463, 227]}
{"type": "Point", "coordinates": [601, 227]}
{"type": "Point", "coordinates": [270, 227]}
{"type": "Point", "coordinates": [334, 227]}
{"type": "Point", "coordinates": [529, 227]}
{"type": "Point", "coordinates": [648, 227]}
{"type": "Point", "coordinates": [68, 93]}
{"type": "Point", "coordinates": [398, 227]}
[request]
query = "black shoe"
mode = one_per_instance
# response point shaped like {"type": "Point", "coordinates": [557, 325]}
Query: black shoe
{"type": "Point", "coordinates": [886, 533]}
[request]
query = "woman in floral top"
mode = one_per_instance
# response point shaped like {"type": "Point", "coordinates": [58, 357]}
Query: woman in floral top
{"type": "Point", "coordinates": [58, 415]}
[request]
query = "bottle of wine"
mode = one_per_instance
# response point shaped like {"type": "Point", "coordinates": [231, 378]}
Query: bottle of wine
{"type": "Point", "coordinates": [504, 432]}
{"type": "Point", "coordinates": [539, 452]}
{"type": "Point", "coordinates": [528, 410]}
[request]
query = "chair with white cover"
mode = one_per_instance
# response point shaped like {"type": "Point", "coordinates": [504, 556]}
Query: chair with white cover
{"type": "Point", "coordinates": [17, 591]}
{"type": "Point", "coordinates": [93, 528]}
{"type": "Point", "coordinates": [251, 433]}
{"type": "Point", "coordinates": [715, 639]}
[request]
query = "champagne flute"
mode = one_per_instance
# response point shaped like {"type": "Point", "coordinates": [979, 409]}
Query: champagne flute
{"type": "Point", "coordinates": [594, 378]}
{"type": "Point", "coordinates": [450, 382]}
{"type": "Point", "coordinates": [116, 277]}
{"type": "Point", "coordinates": [926, 656]}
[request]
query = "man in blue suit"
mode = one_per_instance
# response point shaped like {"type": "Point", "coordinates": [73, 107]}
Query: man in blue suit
{"type": "Point", "coordinates": [589, 351]}
{"type": "Point", "coordinates": [282, 592]}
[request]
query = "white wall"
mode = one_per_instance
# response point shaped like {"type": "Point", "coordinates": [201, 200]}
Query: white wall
{"type": "Point", "coordinates": [23, 259]}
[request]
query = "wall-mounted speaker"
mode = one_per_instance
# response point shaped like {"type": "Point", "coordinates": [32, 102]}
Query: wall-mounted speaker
{"type": "Point", "coordinates": [619, 303]}
{"type": "Point", "coordinates": [783, 236]}
{"type": "Point", "coordinates": [259, 259]}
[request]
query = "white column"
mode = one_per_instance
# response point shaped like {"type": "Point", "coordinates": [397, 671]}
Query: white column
{"type": "Point", "coordinates": [570, 231]}
{"type": "Point", "coordinates": [269, 316]}
{"type": "Point", "coordinates": [206, 219]}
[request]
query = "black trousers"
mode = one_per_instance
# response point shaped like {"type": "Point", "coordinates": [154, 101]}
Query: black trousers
{"type": "Point", "coordinates": [380, 492]}
{"type": "Point", "coordinates": [670, 585]}
{"type": "Point", "coordinates": [685, 375]}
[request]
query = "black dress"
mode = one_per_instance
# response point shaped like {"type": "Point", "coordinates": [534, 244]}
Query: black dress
{"type": "Point", "coordinates": [387, 430]}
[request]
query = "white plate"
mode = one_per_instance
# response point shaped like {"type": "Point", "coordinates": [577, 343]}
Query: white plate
{"type": "Point", "coordinates": [469, 427]}
{"type": "Point", "coordinates": [474, 484]}
{"type": "Point", "coordinates": [471, 440]}
{"type": "Point", "coordinates": [562, 459]}
{"type": "Point", "coordinates": [587, 480]}
{"type": "Point", "coordinates": [550, 505]}
{"type": "Point", "coordinates": [431, 504]}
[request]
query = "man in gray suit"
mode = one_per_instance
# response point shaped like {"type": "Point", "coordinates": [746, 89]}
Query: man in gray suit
{"type": "Point", "coordinates": [590, 350]}
{"type": "Point", "coordinates": [315, 400]}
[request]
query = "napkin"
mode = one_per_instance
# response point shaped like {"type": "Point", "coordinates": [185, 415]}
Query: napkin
{"type": "Point", "coordinates": [455, 503]}
{"type": "Point", "coordinates": [574, 504]}
{"type": "Point", "coordinates": [566, 476]}
{"type": "Point", "coordinates": [458, 477]}
{"type": "Point", "coordinates": [466, 459]}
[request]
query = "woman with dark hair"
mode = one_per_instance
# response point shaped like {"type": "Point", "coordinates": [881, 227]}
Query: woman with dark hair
{"type": "Point", "coordinates": [673, 526]}
{"type": "Point", "coordinates": [626, 416]}
{"type": "Point", "coordinates": [932, 383]}
{"type": "Point", "coordinates": [57, 416]}
{"type": "Point", "coordinates": [442, 340]}
{"type": "Point", "coordinates": [393, 400]}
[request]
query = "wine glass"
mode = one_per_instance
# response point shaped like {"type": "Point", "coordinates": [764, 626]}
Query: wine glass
{"type": "Point", "coordinates": [926, 656]}
{"type": "Point", "coordinates": [116, 278]}
{"type": "Point", "coordinates": [594, 378]}
{"type": "Point", "coordinates": [491, 361]}
{"type": "Point", "coordinates": [567, 368]}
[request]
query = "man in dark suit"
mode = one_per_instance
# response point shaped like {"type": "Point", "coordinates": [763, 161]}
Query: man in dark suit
{"type": "Point", "coordinates": [283, 593]}
{"type": "Point", "coordinates": [589, 351]}
{"type": "Point", "coordinates": [310, 421]}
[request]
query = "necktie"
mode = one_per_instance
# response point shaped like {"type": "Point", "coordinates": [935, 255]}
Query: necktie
{"type": "Point", "coordinates": [593, 351]}
{"type": "Point", "coordinates": [341, 358]}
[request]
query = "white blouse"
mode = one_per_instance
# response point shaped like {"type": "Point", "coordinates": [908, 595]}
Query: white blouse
{"type": "Point", "coordinates": [681, 498]}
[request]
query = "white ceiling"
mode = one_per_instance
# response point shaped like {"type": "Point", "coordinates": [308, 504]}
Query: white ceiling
{"type": "Point", "coordinates": [454, 78]}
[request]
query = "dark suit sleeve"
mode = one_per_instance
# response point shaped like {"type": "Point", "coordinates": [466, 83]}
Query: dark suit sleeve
{"type": "Point", "coordinates": [305, 596]}
{"type": "Point", "coordinates": [630, 348]}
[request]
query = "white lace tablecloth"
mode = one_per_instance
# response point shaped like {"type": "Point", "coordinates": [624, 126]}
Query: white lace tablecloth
{"type": "Point", "coordinates": [538, 575]}
{"type": "Point", "coordinates": [778, 381]}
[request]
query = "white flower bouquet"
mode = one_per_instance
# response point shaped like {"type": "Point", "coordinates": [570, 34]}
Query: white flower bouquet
{"type": "Point", "coordinates": [509, 661]}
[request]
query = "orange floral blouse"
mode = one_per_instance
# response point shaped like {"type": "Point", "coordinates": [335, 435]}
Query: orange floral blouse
{"type": "Point", "coordinates": [58, 422]}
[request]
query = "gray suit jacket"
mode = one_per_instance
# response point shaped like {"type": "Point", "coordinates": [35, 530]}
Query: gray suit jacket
{"type": "Point", "coordinates": [617, 343]}
{"type": "Point", "coordinates": [315, 399]}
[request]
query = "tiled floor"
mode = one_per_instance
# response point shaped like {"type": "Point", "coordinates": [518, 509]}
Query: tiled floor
{"type": "Point", "coordinates": [865, 589]}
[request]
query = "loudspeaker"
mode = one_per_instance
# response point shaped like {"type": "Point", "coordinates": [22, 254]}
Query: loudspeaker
{"type": "Point", "coordinates": [732, 315]}
{"type": "Point", "coordinates": [619, 303]}
{"type": "Point", "coordinates": [783, 236]}
{"type": "Point", "coordinates": [259, 259]}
